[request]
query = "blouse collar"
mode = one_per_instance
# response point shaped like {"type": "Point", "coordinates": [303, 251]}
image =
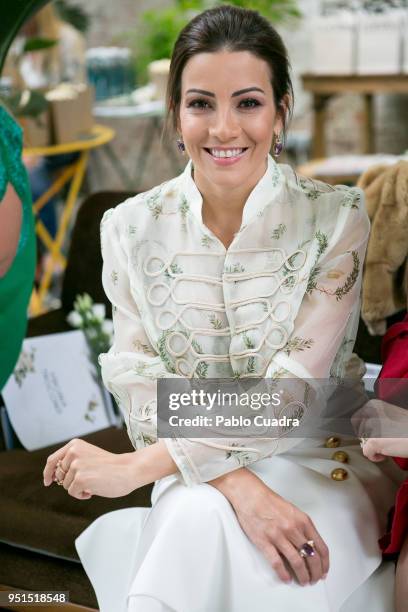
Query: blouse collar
{"type": "Point", "coordinates": [264, 192]}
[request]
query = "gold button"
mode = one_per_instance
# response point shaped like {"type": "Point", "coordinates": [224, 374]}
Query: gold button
{"type": "Point", "coordinates": [339, 474]}
{"type": "Point", "coordinates": [340, 456]}
{"type": "Point", "coordinates": [332, 442]}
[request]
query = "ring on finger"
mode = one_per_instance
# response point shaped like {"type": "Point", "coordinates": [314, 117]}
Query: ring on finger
{"type": "Point", "coordinates": [58, 482]}
{"type": "Point", "coordinates": [363, 439]}
{"type": "Point", "coordinates": [307, 549]}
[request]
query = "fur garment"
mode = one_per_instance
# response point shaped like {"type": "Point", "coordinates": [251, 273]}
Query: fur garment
{"type": "Point", "coordinates": [385, 277]}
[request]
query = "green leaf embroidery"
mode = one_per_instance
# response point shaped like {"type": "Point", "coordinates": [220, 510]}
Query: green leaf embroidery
{"type": "Point", "coordinates": [351, 278]}
{"type": "Point", "coordinates": [132, 229]}
{"type": "Point", "coordinates": [249, 344]}
{"type": "Point", "coordinates": [206, 241]}
{"type": "Point", "coordinates": [140, 368]}
{"type": "Point", "coordinates": [351, 199]}
{"type": "Point", "coordinates": [114, 277]}
{"type": "Point", "coordinates": [202, 369]}
{"type": "Point", "coordinates": [309, 189]}
{"type": "Point", "coordinates": [174, 269]}
{"type": "Point", "coordinates": [280, 373]}
{"type": "Point", "coordinates": [312, 188]}
{"type": "Point", "coordinates": [251, 365]}
{"type": "Point", "coordinates": [184, 207]}
{"type": "Point", "coordinates": [197, 347]}
{"type": "Point", "coordinates": [242, 457]}
{"type": "Point", "coordinates": [234, 268]}
{"type": "Point", "coordinates": [298, 344]}
{"type": "Point", "coordinates": [312, 280]}
{"type": "Point", "coordinates": [275, 176]}
{"type": "Point", "coordinates": [278, 231]}
{"type": "Point", "coordinates": [162, 350]}
{"type": "Point", "coordinates": [322, 241]}
{"type": "Point", "coordinates": [289, 282]}
{"type": "Point", "coordinates": [215, 322]}
{"type": "Point", "coordinates": [153, 204]}
{"type": "Point", "coordinates": [322, 244]}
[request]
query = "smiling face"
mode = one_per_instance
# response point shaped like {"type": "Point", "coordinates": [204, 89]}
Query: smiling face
{"type": "Point", "coordinates": [228, 117]}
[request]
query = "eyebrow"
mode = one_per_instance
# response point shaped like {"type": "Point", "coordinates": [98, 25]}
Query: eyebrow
{"type": "Point", "coordinates": [236, 93]}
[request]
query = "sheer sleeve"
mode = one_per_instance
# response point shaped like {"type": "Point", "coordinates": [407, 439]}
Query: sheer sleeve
{"type": "Point", "coordinates": [131, 367]}
{"type": "Point", "coordinates": [325, 324]}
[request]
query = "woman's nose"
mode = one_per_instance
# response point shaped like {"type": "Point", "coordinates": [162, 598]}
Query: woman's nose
{"type": "Point", "coordinates": [225, 126]}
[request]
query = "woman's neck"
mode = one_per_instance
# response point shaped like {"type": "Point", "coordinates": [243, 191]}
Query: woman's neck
{"type": "Point", "coordinates": [222, 210]}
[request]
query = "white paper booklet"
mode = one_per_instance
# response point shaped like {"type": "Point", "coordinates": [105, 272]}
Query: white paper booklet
{"type": "Point", "coordinates": [54, 394]}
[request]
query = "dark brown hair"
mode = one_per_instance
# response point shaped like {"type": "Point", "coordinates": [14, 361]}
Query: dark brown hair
{"type": "Point", "coordinates": [234, 29]}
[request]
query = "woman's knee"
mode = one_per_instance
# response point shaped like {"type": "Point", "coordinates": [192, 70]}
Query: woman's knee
{"type": "Point", "coordinates": [202, 501]}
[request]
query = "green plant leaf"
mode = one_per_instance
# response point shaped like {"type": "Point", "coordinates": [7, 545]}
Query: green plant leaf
{"type": "Point", "coordinates": [38, 44]}
{"type": "Point", "coordinates": [154, 37]}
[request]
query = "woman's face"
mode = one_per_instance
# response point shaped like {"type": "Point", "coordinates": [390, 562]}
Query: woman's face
{"type": "Point", "coordinates": [227, 104]}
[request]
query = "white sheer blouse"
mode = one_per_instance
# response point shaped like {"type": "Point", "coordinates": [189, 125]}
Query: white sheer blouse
{"type": "Point", "coordinates": [282, 301]}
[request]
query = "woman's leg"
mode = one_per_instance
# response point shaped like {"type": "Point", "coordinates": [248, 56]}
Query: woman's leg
{"type": "Point", "coordinates": [401, 579]}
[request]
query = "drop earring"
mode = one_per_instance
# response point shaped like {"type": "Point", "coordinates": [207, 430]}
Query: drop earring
{"type": "Point", "coordinates": [181, 145]}
{"type": "Point", "coordinates": [278, 145]}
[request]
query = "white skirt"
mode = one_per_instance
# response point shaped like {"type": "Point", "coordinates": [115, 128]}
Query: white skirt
{"type": "Point", "coordinates": [188, 552]}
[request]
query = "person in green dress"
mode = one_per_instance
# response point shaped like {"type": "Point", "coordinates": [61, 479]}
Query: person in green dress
{"type": "Point", "coordinates": [17, 244]}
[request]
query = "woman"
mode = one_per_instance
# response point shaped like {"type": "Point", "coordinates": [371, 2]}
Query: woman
{"type": "Point", "coordinates": [235, 268]}
{"type": "Point", "coordinates": [392, 386]}
{"type": "Point", "coordinates": [17, 245]}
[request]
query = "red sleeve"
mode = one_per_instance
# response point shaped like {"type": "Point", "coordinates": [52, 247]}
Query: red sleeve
{"type": "Point", "coordinates": [394, 352]}
{"type": "Point", "coordinates": [403, 463]}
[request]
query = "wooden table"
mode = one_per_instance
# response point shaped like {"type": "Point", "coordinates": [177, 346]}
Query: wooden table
{"type": "Point", "coordinates": [324, 87]}
{"type": "Point", "coordinates": [75, 173]}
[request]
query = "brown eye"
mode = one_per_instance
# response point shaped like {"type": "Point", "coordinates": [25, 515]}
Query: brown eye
{"type": "Point", "coordinates": [198, 103]}
{"type": "Point", "coordinates": [201, 104]}
{"type": "Point", "coordinates": [250, 103]}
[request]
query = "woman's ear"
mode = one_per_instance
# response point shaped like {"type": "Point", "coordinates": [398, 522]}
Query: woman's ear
{"type": "Point", "coordinates": [283, 111]}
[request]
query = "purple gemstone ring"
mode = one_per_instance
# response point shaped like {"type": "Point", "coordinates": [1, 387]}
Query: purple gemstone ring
{"type": "Point", "coordinates": [307, 549]}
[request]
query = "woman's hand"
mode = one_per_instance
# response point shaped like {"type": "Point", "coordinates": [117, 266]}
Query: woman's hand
{"type": "Point", "coordinates": [377, 449]}
{"type": "Point", "coordinates": [85, 470]}
{"type": "Point", "coordinates": [381, 425]}
{"type": "Point", "coordinates": [276, 527]}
